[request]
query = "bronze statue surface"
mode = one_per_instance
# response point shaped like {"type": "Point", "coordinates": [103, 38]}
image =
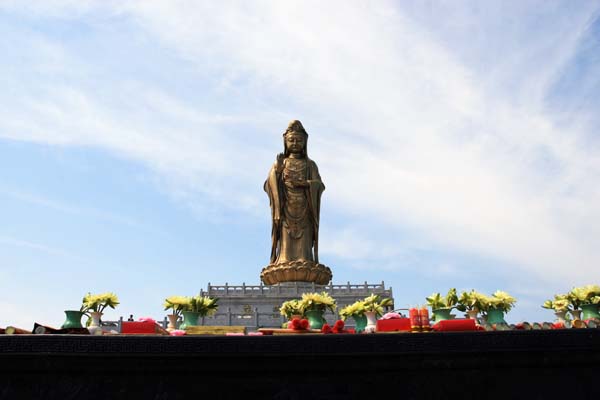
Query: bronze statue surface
{"type": "Point", "coordinates": [294, 188]}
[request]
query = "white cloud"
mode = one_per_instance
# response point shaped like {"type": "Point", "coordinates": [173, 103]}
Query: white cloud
{"type": "Point", "coordinates": [407, 126]}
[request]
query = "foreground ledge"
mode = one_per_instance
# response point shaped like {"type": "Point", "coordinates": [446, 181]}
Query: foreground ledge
{"type": "Point", "coordinates": [509, 364]}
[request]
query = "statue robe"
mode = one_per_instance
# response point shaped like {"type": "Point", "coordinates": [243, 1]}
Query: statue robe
{"type": "Point", "coordinates": [294, 211]}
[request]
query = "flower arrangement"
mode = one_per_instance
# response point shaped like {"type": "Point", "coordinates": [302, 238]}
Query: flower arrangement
{"type": "Point", "coordinates": [499, 301]}
{"type": "Point", "coordinates": [471, 301]}
{"type": "Point", "coordinates": [317, 301]}
{"type": "Point", "coordinates": [561, 303]}
{"type": "Point", "coordinates": [98, 302]}
{"type": "Point", "coordinates": [203, 304]}
{"type": "Point", "coordinates": [355, 309]}
{"type": "Point", "coordinates": [437, 302]}
{"type": "Point", "coordinates": [177, 304]}
{"type": "Point", "coordinates": [589, 294]}
{"type": "Point", "coordinates": [374, 303]}
{"type": "Point", "coordinates": [291, 307]}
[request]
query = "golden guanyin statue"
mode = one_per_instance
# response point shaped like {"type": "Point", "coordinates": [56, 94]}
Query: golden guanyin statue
{"type": "Point", "coordinates": [294, 188]}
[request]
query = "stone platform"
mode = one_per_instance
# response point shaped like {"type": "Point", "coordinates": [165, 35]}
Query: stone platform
{"type": "Point", "coordinates": [257, 306]}
{"type": "Point", "coordinates": [466, 365]}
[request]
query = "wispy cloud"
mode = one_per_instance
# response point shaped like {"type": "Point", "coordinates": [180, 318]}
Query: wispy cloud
{"type": "Point", "coordinates": [42, 201]}
{"type": "Point", "coordinates": [10, 241]}
{"type": "Point", "coordinates": [416, 123]}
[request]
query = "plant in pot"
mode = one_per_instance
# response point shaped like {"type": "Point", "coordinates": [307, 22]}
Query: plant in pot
{"type": "Point", "coordinates": [495, 306]}
{"type": "Point", "coordinates": [356, 311]}
{"type": "Point", "coordinates": [177, 304]}
{"type": "Point", "coordinates": [73, 318]}
{"type": "Point", "coordinates": [197, 307]}
{"type": "Point", "coordinates": [442, 306]}
{"type": "Point", "coordinates": [94, 305]}
{"type": "Point", "coordinates": [470, 303]}
{"type": "Point", "coordinates": [314, 306]}
{"type": "Point", "coordinates": [560, 305]}
{"type": "Point", "coordinates": [586, 298]}
{"type": "Point", "coordinates": [291, 309]}
{"type": "Point", "coordinates": [374, 308]}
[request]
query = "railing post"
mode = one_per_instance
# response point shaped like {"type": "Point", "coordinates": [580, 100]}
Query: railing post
{"type": "Point", "coordinates": [229, 316]}
{"type": "Point", "coordinates": [261, 287]}
{"type": "Point", "coordinates": [256, 317]}
{"type": "Point", "coordinates": [244, 287]}
{"type": "Point", "coordinates": [226, 288]}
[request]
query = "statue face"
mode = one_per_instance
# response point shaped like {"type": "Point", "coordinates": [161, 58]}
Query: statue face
{"type": "Point", "coordinates": [295, 142]}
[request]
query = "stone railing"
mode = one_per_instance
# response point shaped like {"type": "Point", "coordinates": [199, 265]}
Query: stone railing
{"type": "Point", "coordinates": [294, 289]}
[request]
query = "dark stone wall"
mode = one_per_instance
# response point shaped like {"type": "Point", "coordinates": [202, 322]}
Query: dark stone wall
{"type": "Point", "coordinates": [482, 365]}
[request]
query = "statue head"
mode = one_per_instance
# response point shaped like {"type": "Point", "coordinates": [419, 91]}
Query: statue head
{"type": "Point", "coordinates": [295, 139]}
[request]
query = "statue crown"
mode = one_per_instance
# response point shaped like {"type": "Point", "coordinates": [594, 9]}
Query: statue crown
{"type": "Point", "coordinates": [296, 127]}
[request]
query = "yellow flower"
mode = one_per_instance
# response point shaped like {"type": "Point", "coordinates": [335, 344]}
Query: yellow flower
{"type": "Point", "coordinates": [98, 302]}
{"type": "Point", "coordinates": [357, 308]}
{"type": "Point", "coordinates": [376, 304]}
{"type": "Point", "coordinates": [177, 303]}
{"type": "Point", "coordinates": [313, 301]}
{"type": "Point", "coordinates": [291, 307]}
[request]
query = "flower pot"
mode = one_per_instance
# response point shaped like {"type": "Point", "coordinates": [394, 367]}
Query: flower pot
{"type": "Point", "coordinates": [495, 316]}
{"type": "Point", "coordinates": [371, 321]}
{"type": "Point", "coordinates": [561, 316]}
{"type": "Point", "coordinates": [190, 318]}
{"type": "Point", "coordinates": [73, 319]}
{"type": "Point", "coordinates": [472, 314]}
{"type": "Point", "coordinates": [360, 322]}
{"type": "Point", "coordinates": [441, 314]}
{"type": "Point", "coordinates": [589, 311]}
{"type": "Point", "coordinates": [95, 328]}
{"type": "Point", "coordinates": [576, 314]}
{"type": "Point", "coordinates": [172, 322]}
{"type": "Point", "coordinates": [315, 318]}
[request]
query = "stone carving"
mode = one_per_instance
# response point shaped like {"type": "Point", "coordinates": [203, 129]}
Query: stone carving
{"type": "Point", "coordinates": [294, 188]}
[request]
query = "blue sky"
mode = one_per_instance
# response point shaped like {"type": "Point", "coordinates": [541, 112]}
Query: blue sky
{"type": "Point", "coordinates": [458, 142]}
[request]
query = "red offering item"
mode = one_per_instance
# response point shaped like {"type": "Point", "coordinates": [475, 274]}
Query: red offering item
{"type": "Point", "coordinates": [452, 325]}
{"type": "Point", "coordinates": [558, 325]}
{"type": "Point", "coordinates": [142, 327]}
{"type": "Point", "coordinates": [393, 325]}
{"type": "Point", "coordinates": [424, 317]}
{"type": "Point", "coordinates": [326, 328]}
{"type": "Point", "coordinates": [338, 327]}
{"type": "Point", "coordinates": [295, 324]}
{"type": "Point", "coordinates": [304, 324]}
{"type": "Point", "coordinates": [415, 318]}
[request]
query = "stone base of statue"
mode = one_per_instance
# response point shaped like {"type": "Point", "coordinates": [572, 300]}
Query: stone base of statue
{"type": "Point", "coordinates": [296, 271]}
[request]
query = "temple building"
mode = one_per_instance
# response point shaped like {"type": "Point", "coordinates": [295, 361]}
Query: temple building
{"type": "Point", "coordinates": [258, 306]}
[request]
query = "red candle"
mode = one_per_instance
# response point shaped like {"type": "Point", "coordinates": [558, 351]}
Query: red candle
{"type": "Point", "coordinates": [415, 320]}
{"type": "Point", "coordinates": [424, 314]}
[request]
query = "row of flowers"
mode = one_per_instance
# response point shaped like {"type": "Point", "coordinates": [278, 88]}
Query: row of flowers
{"type": "Point", "coordinates": [584, 299]}
{"type": "Point", "coordinates": [313, 305]}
